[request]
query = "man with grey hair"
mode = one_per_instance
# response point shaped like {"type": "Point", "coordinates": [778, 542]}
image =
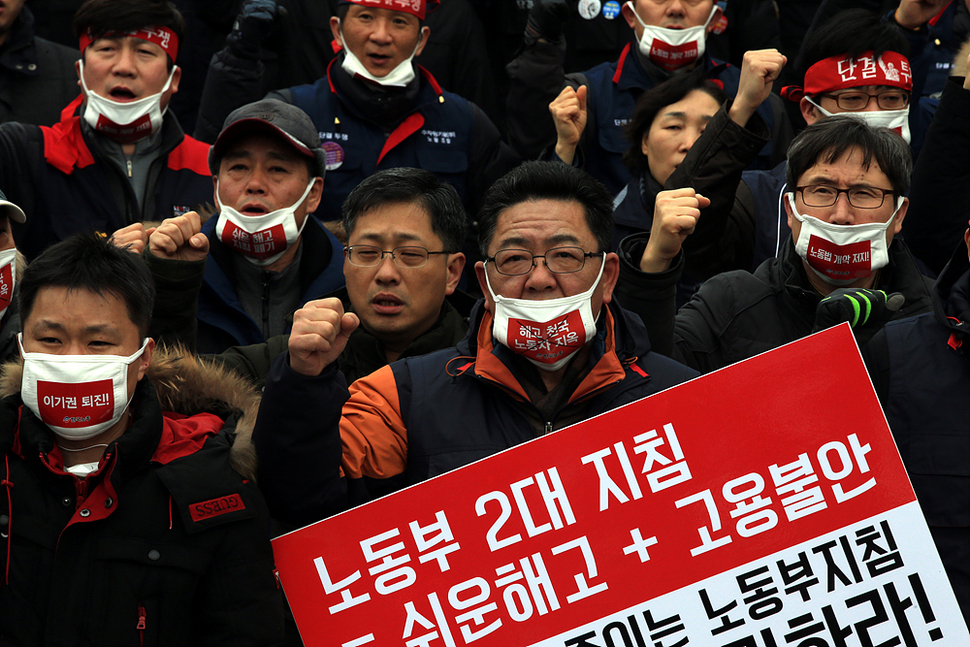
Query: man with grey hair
{"type": "Point", "coordinates": [845, 203]}
{"type": "Point", "coordinates": [267, 255]}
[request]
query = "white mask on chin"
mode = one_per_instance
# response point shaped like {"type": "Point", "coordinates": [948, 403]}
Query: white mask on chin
{"type": "Point", "coordinates": [895, 120]}
{"type": "Point", "coordinates": [261, 239]}
{"type": "Point", "coordinates": [546, 332]}
{"type": "Point", "coordinates": [124, 122]}
{"type": "Point", "coordinates": [399, 77]}
{"type": "Point", "coordinates": [842, 254]}
{"type": "Point", "coordinates": [672, 49]}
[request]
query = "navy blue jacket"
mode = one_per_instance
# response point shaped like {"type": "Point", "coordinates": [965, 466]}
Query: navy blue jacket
{"type": "Point", "coordinates": [221, 319]}
{"type": "Point", "coordinates": [770, 218]}
{"type": "Point", "coordinates": [613, 92]}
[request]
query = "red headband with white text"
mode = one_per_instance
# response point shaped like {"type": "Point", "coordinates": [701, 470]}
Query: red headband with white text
{"type": "Point", "coordinates": [840, 72]}
{"type": "Point", "coordinates": [161, 36]}
{"type": "Point", "coordinates": [414, 7]}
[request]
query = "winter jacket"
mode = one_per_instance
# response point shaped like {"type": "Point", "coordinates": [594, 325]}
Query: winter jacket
{"type": "Point", "coordinates": [37, 77]}
{"type": "Point", "coordinates": [921, 370]}
{"type": "Point", "coordinates": [65, 185]}
{"type": "Point", "coordinates": [725, 233]}
{"type": "Point", "coordinates": [939, 199]}
{"type": "Point", "coordinates": [737, 315]}
{"type": "Point", "coordinates": [537, 79]}
{"type": "Point", "coordinates": [932, 49]}
{"type": "Point", "coordinates": [424, 416]}
{"type": "Point", "coordinates": [433, 130]}
{"type": "Point", "coordinates": [770, 220]}
{"type": "Point", "coordinates": [166, 544]}
{"type": "Point", "coordinates": [196, 303]}
{"type": "Point", "coordinates": [364, 352]}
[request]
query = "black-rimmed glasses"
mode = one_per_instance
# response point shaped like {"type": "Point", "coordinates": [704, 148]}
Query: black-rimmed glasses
{"type": "Point", "coordinates": [559, 260]}
{"type": "Point", "coordinates": [861, 197]}
{"type": "Point", "coordinates": [407, 256]}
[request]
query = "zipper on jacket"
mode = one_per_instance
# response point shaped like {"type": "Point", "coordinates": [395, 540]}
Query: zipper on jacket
{"type": "Point", "coordinates": [129, 167]}
{"type": "Point", "coordinates": [141, 625]}
{"type": "Point", "coordinates": [548, 429]}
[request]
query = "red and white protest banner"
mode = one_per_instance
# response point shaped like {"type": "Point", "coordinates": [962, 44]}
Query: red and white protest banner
{"type": "Point", "coordinates": [763, 505]}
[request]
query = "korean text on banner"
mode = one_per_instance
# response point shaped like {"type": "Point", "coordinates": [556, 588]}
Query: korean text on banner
{"type": "Point", "coordinates": [762, 505]}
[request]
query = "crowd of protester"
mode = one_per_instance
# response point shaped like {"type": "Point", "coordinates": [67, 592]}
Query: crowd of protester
{"type": "Point", "coordinates": [330, 289]}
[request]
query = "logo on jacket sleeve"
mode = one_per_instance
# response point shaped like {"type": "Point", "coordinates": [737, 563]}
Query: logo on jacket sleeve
{"type": "Point", "coordinates": [215, 507]}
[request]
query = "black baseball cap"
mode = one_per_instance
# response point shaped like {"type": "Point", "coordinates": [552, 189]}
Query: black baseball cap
{"type": "Point", "coordinates": [277, 118]}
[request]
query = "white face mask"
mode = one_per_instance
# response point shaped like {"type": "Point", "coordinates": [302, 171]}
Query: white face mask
{"type": "Point", "coordinates": [77, 396]}
{"type": "Point", "coordinates": [842, 254]}
{"type": "Point", "coordinates": [124, 122]}
{"type": "Point", "coordinates": [399, 77]}
{"type": "Point", "coordinates": [895, 120]}
{"type": "Point", "coordinates": [546, 332]}
{"type": "Point", "coordinates": [262, 239]}
{"type": "Point", "coordinates": [8, 278]}
{"type": "Point", "coordinates": [672, 49]}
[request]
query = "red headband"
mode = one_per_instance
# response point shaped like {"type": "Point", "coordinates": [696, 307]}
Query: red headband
{"type": "Point", "coordinates": [414, 7]}
{"type": "Point", "coordinates": [839, 72]}
{"type": "Point", "coordinates": [161, 36]}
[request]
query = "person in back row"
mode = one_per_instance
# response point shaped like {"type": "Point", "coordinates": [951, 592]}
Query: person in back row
{"type": "Point", "coordinates": [376, 108]}
{"type": "Point", "coordinates": [116, 157]}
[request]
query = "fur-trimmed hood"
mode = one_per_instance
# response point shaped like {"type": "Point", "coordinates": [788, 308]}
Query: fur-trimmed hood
{"type": "Point", "coordinates": [188, 385]}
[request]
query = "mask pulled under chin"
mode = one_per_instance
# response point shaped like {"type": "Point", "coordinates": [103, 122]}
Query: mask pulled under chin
{"type": "Point", "coordinates": [8, 278]}
{"type": "Point", "coordinates": [399, 77]}
{"type": "Point", "coordinates": [76, 396]}
{"type": "Point", "coordinates": [895, 120]}
{"type": "Point", "coordinates": [124, 122]}
{"type": "Point", "coordinates": [262, 239]}
{"type": "Point", "coordinates": [842, 254]}
{"type": "Point", "coordinates": [548, 332]}
{"type": "Point", "coordinates": [672, 49]}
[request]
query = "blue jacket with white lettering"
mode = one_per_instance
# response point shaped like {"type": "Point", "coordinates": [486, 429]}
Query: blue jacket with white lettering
{"type": "Point", "coordinates": [423, 416]}
{"type": "Point", "coordinates": [537, 78]}
{"type": "Point", "coordinates": [920, 367]}
{"type": "Point", "coordinates": [64, 184]}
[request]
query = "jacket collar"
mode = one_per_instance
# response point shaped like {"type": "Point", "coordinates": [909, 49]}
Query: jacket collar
{"type": "Point", "coordinates": [612, 350]}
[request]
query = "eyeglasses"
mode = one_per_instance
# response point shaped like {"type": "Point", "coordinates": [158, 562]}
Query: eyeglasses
{"type": "Point", "coordinates": [861, 197]}
{"type": "Point", "coordinates": [558, 260]}
{"type": "Point", "coordinates": [409, 256]}
{"type": "Point", "coordinates": [858, 100]}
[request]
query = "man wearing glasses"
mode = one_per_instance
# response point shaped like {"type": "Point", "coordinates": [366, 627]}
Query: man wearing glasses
{"type": "Point", "coordinates": [547, 347]}
{"type": "Point", "coordinates": [845, 203]}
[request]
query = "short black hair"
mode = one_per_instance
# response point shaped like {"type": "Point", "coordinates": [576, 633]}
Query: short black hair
{"type": "Point", "coordinates": [827, 140]}
{"type": "Point", "coordinates": [851, 33]}
{"type": "Point", "coordinates": [88, 261]}
{"type": "Point", "coordinates": [531, 181]}
{"type": "Point", "coordinates": [404, 185]}
{"type": "Point", "coordinates": [652, 102]}
{"type": "Point", "coordinates": [100, 17]}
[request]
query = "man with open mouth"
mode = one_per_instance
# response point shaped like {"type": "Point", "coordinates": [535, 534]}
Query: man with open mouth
{"type": "Point", "coordinates": [117, 157]}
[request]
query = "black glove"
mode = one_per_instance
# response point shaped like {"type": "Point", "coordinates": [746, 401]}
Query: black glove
{"type": "Point", "coordinates": [253, 26]}
{"type": "Point", "coordinates": [863, 309]}
{"type": "Point", "coordinates": [546, 18]}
